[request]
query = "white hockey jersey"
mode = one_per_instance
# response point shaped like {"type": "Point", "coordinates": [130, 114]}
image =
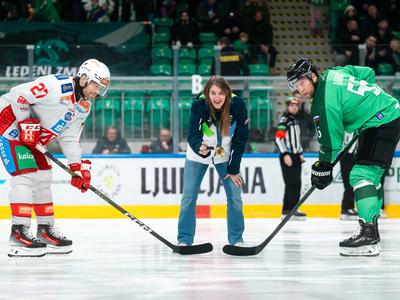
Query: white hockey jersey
{"type": "Point", "coordinates": [51, 99]}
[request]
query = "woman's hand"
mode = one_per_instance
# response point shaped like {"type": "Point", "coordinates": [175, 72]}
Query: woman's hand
{"type": "Point", "coordinates": [237, 179]}
{"type": "Point", "coordinates": [203, 149]}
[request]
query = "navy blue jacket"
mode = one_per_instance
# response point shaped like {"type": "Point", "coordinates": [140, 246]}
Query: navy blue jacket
{"type": "Point", "coordinates": [239, 123]}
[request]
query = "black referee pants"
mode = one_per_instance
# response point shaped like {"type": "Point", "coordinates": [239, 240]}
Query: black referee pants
{"type": "Point", "coordinates": [292, 179]}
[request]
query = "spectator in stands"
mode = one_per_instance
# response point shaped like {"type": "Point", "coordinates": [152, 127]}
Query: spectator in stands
{"type": "Point", "coordinates": [164, 143]}
{"type": "Point", "coordinates": [230, 26]}
{"type": "Point", "coordinates": [43, 11]}
{"type": "Point", "coordinates": [376, 54]}
{"type": "Point", "coordinates": [232, 62]}
{"type": "Point", "coordinates": [349, 40]}
{"type": "Point", "coordinates": [112, 143]}
{"type": "Point", "coordinates": [9, 11]}
{"type": "Point", "coordinates": [370, 24]}
{"type": "Point", "coordinates": [350, 13]}
{"type": "Point", "coordinates": [185, 31]}
{"type": "Point", "coordinates": [209, 15]}
{"type": "Point", "coordinates": [384, 36]}
{"type": "Point", "coordinates": [371, 57]}
{"type": "Point", "coordinates": [166, 8]}
{"type": "Point", "coordinates": [316, 16]}
{"type": "Point", "coordinates": [394, 14]}
{"type": "Point", "coordinates": [261, 36]}
{"type": "Point", "coordinates": [242, 45]}
{"type": "Point", "coordinates": [98, 10]}
{"type": "Point", "coordinates": [249, 8]}
{"type": "Point", "coordinates": [395, 54]}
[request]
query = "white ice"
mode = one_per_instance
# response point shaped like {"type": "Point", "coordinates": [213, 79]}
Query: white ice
{"type": "Point", "coordinates": [116, 259]}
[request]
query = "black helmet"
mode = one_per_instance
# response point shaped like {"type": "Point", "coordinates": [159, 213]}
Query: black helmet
{"type": "Point", "coordinates": [303, 67]}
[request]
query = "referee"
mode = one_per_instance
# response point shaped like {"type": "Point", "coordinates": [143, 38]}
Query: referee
{"type": "Point", "coordinates": [287, 139]}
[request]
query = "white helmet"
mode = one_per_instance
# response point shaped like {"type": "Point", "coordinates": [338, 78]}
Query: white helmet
{"type": "Point", "coordinates": [96, 71]}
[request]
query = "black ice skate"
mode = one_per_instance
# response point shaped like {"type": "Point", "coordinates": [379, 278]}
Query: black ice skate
{"type": "Point", "coordinates": [56, 242]}
{"type": "Point", "coordinates": [297, 216]}
{"type": "Point", "coordinates": [363, 243]}
{"type": "Point", "coordinates": [349, 214]}
{"type": "Point", "coordinates": [24, 244]}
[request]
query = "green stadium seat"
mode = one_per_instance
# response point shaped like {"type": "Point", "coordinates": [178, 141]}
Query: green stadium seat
{"type": "Point", "coordinates": [208, 38]}
{"type": "Point", "coordinates": [204, 70]}
{"type": "Point", "coordinates": [385, 69]}
{"type": "Point", "coordinates": [161, 56]}
{"type": "Point", "coordinates": [206, 55]}
{"type": "Point", "coordinates": [187, 56]}
{"type": "Point", "coordinates": [107, 113]}
{"type": "Point", "coordinates": [134, 113]}
{"type": "Point", "coordinates": [163, 25]}
{"type": "Point", "coordinates": [184, 104]}
{"type": "Point", "coordinates": [161, 38]}
{"type": "Point", "coordinates": [161, 70]}
{"type": "Point", "coordinates": [258, 70]}
{"type": "Point", "coordinates": [158, 110]}
{"type": "Point", "coordinates": [186, 70]}
{"type": "Point", "coordinates": [260, 113]}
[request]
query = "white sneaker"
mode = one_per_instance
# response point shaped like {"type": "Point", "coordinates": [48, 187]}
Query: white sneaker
{"type": "Point", "coordinates": [182, 245]}
{"type": "Point", "coordinates": [239, 244]}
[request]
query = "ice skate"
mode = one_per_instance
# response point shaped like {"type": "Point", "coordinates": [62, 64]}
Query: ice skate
{"type": "Point", "coordinates": [56, 242]}
{"type": "Point", "coordinates": [349, 214]}
{"type": "Point", "coordinates": [363, 243]}
{"type": "Point", "coordinates": [24, 244]}
{"type": "Point", "coordinates": [297, 216]}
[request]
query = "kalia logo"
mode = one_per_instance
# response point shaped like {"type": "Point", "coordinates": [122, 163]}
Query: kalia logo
{"type": "Point", "coordinates": [25, 156]}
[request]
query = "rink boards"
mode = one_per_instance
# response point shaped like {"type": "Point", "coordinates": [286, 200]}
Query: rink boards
{"type": "Point", "coordinates": [151, 186]}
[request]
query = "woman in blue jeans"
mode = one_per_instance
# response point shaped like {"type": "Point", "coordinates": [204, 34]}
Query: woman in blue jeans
{"type": "Point", "coordinates": [218, 134]}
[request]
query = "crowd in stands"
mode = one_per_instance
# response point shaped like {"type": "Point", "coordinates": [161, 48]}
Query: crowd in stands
{"type": "Point", "coordinates": [376, 26]}
{"type": "Point", "coordinates": [245, 22]}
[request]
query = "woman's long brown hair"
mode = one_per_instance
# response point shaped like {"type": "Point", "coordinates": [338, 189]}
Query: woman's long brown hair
{"type": "Point", "coordinates": [224, 86]}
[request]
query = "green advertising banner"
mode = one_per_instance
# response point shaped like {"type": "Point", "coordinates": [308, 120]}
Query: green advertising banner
{"type": "Point", "coordinates": [62, 47]}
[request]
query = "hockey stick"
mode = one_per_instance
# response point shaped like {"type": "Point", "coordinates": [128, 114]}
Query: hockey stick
{"type": "Point", "coordinates": [247, 251]}
{"type": "Point", "coordinates": [184, 250]}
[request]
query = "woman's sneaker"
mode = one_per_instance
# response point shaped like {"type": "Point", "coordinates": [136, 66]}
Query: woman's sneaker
{"type": "Point", "coordinates": [24, 244]}
{"type": "Point", "coordinates": [56, 242]}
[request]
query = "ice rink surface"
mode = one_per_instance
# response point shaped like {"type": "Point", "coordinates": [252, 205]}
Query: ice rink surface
{"type": "Point", "coordinates": [116, 259]}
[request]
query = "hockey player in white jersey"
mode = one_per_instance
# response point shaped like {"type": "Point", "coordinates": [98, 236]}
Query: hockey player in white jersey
{"type": "Point", "coordinates": [52, 106]}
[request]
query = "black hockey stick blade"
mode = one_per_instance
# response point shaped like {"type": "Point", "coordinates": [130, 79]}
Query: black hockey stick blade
{"type": "Point", "coordinates": [194, 249]}
{"type": "Point", "coordinates": [240, 251]}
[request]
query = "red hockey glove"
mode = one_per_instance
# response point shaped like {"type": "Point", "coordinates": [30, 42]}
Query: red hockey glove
{"type": "Point", "coordinates": [29, 132]}
{"type": "Point", "coordinates": [82, 169]}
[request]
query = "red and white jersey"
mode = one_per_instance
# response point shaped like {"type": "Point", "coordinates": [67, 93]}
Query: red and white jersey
{"type": "Point", "coordinates": [51, 99]}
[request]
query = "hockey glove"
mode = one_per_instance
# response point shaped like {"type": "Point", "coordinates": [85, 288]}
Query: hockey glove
{"type": "Point", "coordinates": [83, 169]}
{"type": "Point", "coordinates": [321, 174]}
{"type": "Point", "coordinates": [29, 132]}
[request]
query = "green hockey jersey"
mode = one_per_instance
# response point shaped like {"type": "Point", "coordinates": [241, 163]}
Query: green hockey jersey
{"type": "Point", "coordinates": [347, 99]}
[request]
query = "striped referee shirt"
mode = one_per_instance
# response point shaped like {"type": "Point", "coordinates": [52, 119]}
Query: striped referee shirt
{"type": "Point", "coordinates": [287, 136]}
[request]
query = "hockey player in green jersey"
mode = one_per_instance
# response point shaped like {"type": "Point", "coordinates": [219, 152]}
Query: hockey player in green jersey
{"type": "Point", "coordinates": [348, 99]}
